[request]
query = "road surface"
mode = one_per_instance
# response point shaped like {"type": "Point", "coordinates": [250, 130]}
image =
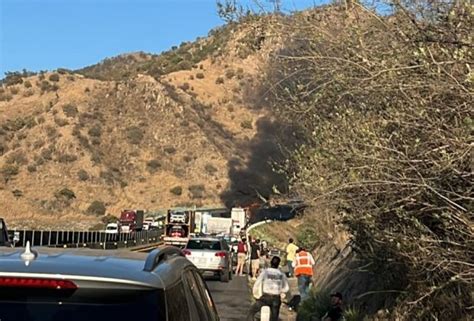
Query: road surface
{"type": "Point", "coordinates": [232, 299]}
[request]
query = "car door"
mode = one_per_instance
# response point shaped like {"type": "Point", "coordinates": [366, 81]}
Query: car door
{"type": "Point", "coordinates": [195, 298]}
{"type": "Point", "coordinates": [206, 295]}
{"type": "Point", "coordinates": [176, 301]}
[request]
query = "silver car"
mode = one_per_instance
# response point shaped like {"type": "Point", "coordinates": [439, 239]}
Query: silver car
{"type": "Point", "coordinates": [210, 255]}
{"type": "Point", "coordinates": [78, 285]}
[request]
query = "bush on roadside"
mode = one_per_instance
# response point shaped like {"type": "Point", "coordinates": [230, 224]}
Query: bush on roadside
{"type": "Point", "coordinates": [96, 208]}
{"type": "Point", "coordinates": [177, 190]}
{"type": "Point", "coordinates": [82, 175]}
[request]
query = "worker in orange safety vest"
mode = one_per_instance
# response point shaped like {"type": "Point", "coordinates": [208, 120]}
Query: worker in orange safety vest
{"type": "Point", "coordinates": [303, 265]}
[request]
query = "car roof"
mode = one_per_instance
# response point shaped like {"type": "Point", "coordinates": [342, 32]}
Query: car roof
{"type": "Point", "coordinates": [118, 265]}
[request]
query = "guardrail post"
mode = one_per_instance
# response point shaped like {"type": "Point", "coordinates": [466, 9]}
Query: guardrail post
{"type": "Point", "coordinates": [33, 238]}
{"type": "Point", "coordinates": [49, 238]}
{"type": "Point", "coordinates": [24, 238]}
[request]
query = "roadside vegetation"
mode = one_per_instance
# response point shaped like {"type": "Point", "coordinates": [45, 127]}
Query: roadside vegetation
{"type": "Point", "coordinates": [383, 105]}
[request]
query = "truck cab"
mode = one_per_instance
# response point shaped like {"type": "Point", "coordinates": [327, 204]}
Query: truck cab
{"type": "Point", "coordinates": [131, 220]}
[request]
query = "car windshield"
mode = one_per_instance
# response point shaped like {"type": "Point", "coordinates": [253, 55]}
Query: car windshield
{"type": "Point", "coordinates": [111, 227]}
{"type": "Point", "coordinates": [204, 245]}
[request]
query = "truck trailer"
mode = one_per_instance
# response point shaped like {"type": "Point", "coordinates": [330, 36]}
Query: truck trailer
{"type": "Point", "coordinates": [179, 225]}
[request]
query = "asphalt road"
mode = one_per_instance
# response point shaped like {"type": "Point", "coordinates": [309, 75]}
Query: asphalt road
{"type": "Point", "coordinates": [232, 299]}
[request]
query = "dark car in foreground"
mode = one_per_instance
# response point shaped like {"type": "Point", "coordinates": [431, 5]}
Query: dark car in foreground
{"type": "Point", "coordinates": [73, 285]}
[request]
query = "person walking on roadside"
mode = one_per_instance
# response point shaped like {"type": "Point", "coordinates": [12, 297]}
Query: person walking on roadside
{"type": "Point", "coordinates": [291, 249]}
{"type": "Point", "coordinates": [270, 285]}
{"type": "Point", "coordinates": [303, 265]}
{"type": "Point", "coordinates": [241, 255]}
{"type": "Point", "coordinates": [254, 257]}
{"type": "Point", "coordinates": [335, 313]}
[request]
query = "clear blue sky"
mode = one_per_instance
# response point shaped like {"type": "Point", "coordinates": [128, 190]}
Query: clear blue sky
{"type": "Point", "coordinates": [48, 34]}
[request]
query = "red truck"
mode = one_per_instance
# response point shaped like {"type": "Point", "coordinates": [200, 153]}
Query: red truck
{"type": "Point", "coordinates": [131, 220]}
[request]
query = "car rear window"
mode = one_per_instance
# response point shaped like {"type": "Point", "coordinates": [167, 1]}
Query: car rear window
{"type": "Point", "coordinates": [204, 245]}
{"type": "Point", "coordinates": [45, 306]}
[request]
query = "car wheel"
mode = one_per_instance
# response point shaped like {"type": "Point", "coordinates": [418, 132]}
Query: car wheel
{"type": "Point", "coordinates": [225, 276]}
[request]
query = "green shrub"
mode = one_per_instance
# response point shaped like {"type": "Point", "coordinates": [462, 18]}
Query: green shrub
{"type": "Point", "coordinates": [169, 150]}
{"type": "Point", "coordinates": [18, 157]}
{"type": "Point", "coordinates": [28, 93]}
{"type": "Point", "coordinates": [200, 75]}
{"type": "Point", "coordinates": [82, 175]}
{"type": "Point", "coordinates": [219, 80]}
{"type": "Point", "coordinates": [135, 135]}
{"type": "Point", "coordinates": [185, 86]}
{"type": "Point", "coordinates": [153, 165]}
{"type": "Point", "coordinates": [51, 131]}
{"type": "Point", "coordinates": [246, 124]}
{"type": "Point", "coordinates": [315, 307]}
{"type": "Point", "coordinates": [8, 171]}
{"type": "Point", "coordinates": [27, 84]}
{"type": "Point", "coordinates": [61, 122]}
{"type": "Point", "coordinates": [14, 90]}
{"type": "Point", "coordinates": [177, 190]}
{"type": "Point", "coordinates": [38, 144]}
{"type": "Point", "coordinates": [70, 110]}
{"type": "Point", "coordinates": [31, 168]}
{"type": "Point", "coordinates": [308, 238]}
{"type": "Point", "coordinates": [108, 219]}
{"type": "Point", "coordinates": [197, 191]}
{"type": "Point", "coordinates": [95, 131]}
{"type": "Point", "coordinates": [47, 153]}
{"type": "Point", "coordinates": [229, 73]}
{"type": "Point", "coordinates": [65, 194]}
{"type": "Point", "coordinates": [185, 65]}
{"type": "Point", "coordinates": [17, 193]}
{"type": "Point", "coordinates": [46, 86]}
{"type": "Point", "coordinates": [54, 77]}
{"type": "Point", "coordinates": [66, 158]}
{"type": "Point", "coordinates": [210, 169]}
{"type": "Point", "coordinates": [96, 208]}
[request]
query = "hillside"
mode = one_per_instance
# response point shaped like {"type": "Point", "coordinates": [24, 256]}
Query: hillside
{"type": "Point", "coordinates": [77, 145]}
{"type": "Point", "coordinates": [367, 117]}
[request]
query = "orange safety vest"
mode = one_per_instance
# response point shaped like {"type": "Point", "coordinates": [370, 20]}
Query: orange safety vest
{"type": "Point", "coordinates": [303, 264]}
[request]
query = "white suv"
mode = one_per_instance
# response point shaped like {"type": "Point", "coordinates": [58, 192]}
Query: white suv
{"type": "Point", "coordinates": [178, 217]}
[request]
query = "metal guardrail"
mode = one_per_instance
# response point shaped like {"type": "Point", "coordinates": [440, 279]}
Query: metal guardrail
{"type": "Point", "coordinates": [91, 239]}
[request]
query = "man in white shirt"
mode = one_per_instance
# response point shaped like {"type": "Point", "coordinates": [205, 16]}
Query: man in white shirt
{"type": "Point", "coordinates": [268, 288]}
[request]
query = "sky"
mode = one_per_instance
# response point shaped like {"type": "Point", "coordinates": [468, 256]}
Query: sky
{"type": "Point", "coordinates": [49, 34]}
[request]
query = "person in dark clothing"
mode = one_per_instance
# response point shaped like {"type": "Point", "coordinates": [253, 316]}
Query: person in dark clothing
{"type": "Point", "coordinates": [335, 312]}
{"type": "Point", "coordinates": [254, 257]}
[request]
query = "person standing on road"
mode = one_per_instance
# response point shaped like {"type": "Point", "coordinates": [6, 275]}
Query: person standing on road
{"type": "Point", "coordinates": [241, 255]}
{"type": "Point", "coordinates": [291, 249]}
{"type": "Point", "coordinates": [268, 289]}
{"type": "Point", "coordinates": [254, 257]}
{"type": "Point", "coordinates": [303, 265]}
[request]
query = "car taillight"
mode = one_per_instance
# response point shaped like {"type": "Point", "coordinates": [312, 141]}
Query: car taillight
{"type": "Point", "coordinates": [186, 252]}
{"type": "Point", "coordinates": [37, 283]}
{"type": "Point", "coordinates": [220, 254]}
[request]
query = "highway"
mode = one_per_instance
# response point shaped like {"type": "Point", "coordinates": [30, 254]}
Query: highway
{"type": "Point", "coordinates": [232, 299]}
